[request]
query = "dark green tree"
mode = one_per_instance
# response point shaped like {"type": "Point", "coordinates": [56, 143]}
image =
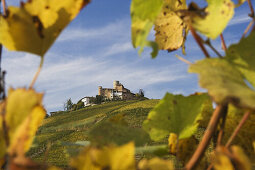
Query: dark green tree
{"type": "Point", "coordinates": [68, 105]}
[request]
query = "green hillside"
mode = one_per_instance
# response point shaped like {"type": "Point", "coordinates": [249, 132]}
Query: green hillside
{"type": "Point", "coordinates": [65, 133]}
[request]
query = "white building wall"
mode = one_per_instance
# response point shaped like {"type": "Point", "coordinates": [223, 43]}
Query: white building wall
{"type": "Point", "coordinates": [86, 101]}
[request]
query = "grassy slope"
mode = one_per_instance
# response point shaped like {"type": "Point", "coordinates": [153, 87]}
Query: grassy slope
{"type": "Point", "coordinates": [74, 126]}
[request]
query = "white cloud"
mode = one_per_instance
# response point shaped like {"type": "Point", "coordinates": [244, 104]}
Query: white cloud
{"type": "Point", "coordinates": [80, 76]}
{"type": "Point", "coordinates": [119, 48]}
{"type": "Point", "coordinates": [110, 31]}
{"type": "Point", "coordinates": [239, 19]}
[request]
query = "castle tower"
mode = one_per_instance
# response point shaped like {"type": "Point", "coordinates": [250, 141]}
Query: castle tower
{"type": "Point", "coordinates": [115, 84]}
{"type": "Point", "coordinates": [99, 90]}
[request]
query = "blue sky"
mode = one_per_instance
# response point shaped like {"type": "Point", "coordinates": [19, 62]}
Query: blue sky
{"type": "Point", "coordinates": [95, 49]}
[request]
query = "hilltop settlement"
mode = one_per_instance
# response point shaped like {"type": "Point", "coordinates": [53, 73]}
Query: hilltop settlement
{"type": "Point", "coordinates": [118, 92]}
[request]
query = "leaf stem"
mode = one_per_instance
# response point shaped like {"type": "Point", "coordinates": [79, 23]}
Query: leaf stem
{"type": "Point", "coordinates": [241, 123]}
{"type": "Point", "coordinates": [251, 8]}
{"type": "Point", "coordinates": [37, 73]}
{"type": "Point", "coordinates": [199, 41]}
{"type": "Point", "coordinates": [248, 28]}
{"type": "Point", "coordinates": [222, 126]}
{"type": "Point", "coordinates": [208, 42]}
{"type": "Point", "coordinates": [183, 59]}
{"type": "Point", "coordinates": [4, 7]}
{"type": "Point", "coordinates": [223, 44]}
{"type": "Point", "coordinates": [218, 112]}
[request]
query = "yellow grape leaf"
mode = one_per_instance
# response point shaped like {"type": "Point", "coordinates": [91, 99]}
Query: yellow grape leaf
{"type": "Point", "coordinates": [217, 15]}
{"type": "Point", "coordinates": [240, 2]}
{"type": "Point", "coordinates": [253, 145]}
{"type": "Point", "coordinates": [24, 114]}
{"type": "Point", "coordinates": [223, 162]}
{"type": "Point", "coordinates": [172, 143]}
{"type": "Point", "coordinates": [186, 148]}
{"type": "Point", "coordinates": [54, 168]}
{"type": "Point", "coordinates": [242, 161]}
{"type": "Point", "coordinates": [233, 159]}
{"type": "Point", "coordinates": [155, 164]}
{"type": "Point", "coordinates": [111, 157]}
{"type": "Point", "coordinates": [169, 26]}
{"type": "Point", "coordinates": [36, 24]}
{"type": "Point", "coordinates": [2, 140]}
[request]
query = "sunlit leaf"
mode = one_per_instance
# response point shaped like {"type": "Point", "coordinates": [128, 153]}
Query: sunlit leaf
{"type": "Point", "coordinates": [233, 159]}
{"type": "Point", "coordinates": [172, 143]}
{"type": "Point", "coordinates": [24, 114]}
{"type": "Point", "coordinates": [114, 158]}
{"type": "Point", "coordinates": [175, 114]}
{"type": "Point", "coordinates": [186, 148]}
{"type": "Point", "coordinates": [169, 26]}
{"type": "Point", "coordinates": [242, 55]}
{"type": "Point", "coordinates": [240, 2]}
{"type": "Point", "coordinates": [155, 164]}
{"type": "Point", "coordinates": [224, 82]}
{"type": "Point", "coordinates": [223, 162]}
{"type": "Point", "coordinates": [217, 15]}
{"type": "Point", "coordinates": [2, 140]}
{"type": "Point", "coordinates": [242, 161]}
{"type": "Point", "coordinates": [143, 15]}
{"type": "Point", "coordinates": [36, 24]}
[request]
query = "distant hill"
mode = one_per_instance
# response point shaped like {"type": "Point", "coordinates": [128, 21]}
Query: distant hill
{"type": "Point", "coordinates": [65, 133]}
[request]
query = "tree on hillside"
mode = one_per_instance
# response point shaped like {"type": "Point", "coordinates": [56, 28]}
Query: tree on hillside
{"type": "Point", "coordinates": [141, 92]}
{"type": "Point", "coordinates": [68, 105]}
{"type": "Point", "coordinates": [99, 99]}
{"type": "Point", "coordinates": [79, 105]}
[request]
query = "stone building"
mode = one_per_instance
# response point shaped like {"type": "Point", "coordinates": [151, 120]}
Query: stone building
{"type": "Point", "coordinates": [117, 92]}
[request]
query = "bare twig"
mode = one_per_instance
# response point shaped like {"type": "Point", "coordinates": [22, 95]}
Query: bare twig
{"type": "Point", "coordinates": [37, 73]}
{"type": "Point", "coordinates": [241, 123]}
{"type": "Point", "coordinates": [220, 109]}
{"type": "Point", "coordinates": [208, 42]}
{"type": "Point", "coordinates": [4, 7]}
{"type": "Point", "coordinates": [222, 126]}
{"type": "Point", "coordinates": [248, 28]}
{"type": "Point", "coordinates": [199, 41]}
{"type": "Point", "coordinates": [223, 44]}
{"type": "Point", "coordinates": [183, 59]}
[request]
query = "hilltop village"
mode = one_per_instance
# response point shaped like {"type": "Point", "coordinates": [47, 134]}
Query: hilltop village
{"type": "Point", "coordinates": [118, 92]}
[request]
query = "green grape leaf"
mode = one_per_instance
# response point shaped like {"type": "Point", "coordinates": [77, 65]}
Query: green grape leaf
{"type": "Point", "coordinates": [176, 114]}
{"type": "Point", "coordinates": [155, 150]}
{"type": "Point", "coordinates": [169, 26]}
{"type": "Point", "coordinates": [110, 157]}
{"type": "Point", "coordinates": [155, 164]}
{"type": "Point", "coordinates": [217, 15]}
{"type": "Point", "coordinates": [143, 15]}
{"type": "Point", "coordinates": [110, 132]}
{"type": "Point", "coordinates": [36, 24]}
{"type": "Point", "coordinates": [24, 114]}
{"type": "Point", "coordinates": [242, 55]}
{"type": "Point", "coordinates": [224, 82]}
